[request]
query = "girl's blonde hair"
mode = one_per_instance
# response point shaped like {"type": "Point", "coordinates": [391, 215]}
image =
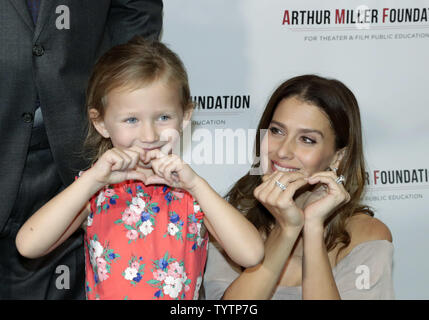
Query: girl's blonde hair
{"type": "Point", "coordinates": [130, 66]}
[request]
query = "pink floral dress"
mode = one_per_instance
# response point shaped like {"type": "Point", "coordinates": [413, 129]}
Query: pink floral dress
{"type": "Point", "coordinates": [144, 242]}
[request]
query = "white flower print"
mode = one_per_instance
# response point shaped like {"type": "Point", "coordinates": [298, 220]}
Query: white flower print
{"type": "Point", "coordinates": [175, 270]}
{"type": "Point", "coordinates": [172, 286]}
{"type": "Point", "coordinates": [89, 221]}
{"type": "Point", "coordinates": [137, 205]}
{"type": "Point", "coordinates": [170, 278]}
{"type": "Point", "coordinates": [199, 239]}
{"type": "Point", "coordinates": [196, 208]}
{"type": "Point", "coordinates": [140, 194]}
{"type": "Point", "coordinates": [146, 227]}
{"type": "Point", "coordinates": [95, 251]}
{"type": "Point", "coordinates": [130, 273]}
{"type": "Point", "coordinates": [172, 229]}
{"type": "Point", "coordinates": [100, 199]}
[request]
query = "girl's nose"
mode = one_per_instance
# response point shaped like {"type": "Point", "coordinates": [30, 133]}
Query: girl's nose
{"type": "Point", "coordinates": [148, 133]}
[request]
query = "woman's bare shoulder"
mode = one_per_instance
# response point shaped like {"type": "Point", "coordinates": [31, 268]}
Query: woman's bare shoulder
{"type": "Point", "coordinates": [363, 227]}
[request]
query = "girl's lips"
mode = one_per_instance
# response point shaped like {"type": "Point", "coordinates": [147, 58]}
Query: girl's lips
{"type": "Point", "coordinates": [155, 148]}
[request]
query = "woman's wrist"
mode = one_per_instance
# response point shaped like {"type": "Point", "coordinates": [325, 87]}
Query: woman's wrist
{"type": "Point", "coordinates": [313, 229]}
{"type": "Point", "coordinates": [288, 232]}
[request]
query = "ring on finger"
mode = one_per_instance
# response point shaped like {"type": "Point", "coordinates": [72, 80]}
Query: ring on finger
{"type": "Point", "coordinates": [280, 185]}
{"type": "Point", "coordinates": [340, 179]}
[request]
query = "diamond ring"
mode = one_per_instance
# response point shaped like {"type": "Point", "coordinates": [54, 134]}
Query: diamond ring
{"type": "Point", "coordinates": [280, 185]}
{"type": "Point", "coordinates": [340, 179]}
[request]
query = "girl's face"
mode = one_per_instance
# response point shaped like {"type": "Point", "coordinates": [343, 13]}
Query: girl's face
{"type": "Point", "coordinates": [150, 117]}
{"type": "Point", "coordinates": [299, 137]}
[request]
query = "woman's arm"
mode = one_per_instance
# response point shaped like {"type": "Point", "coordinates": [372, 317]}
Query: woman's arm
{"type": "Point", "coordinates": [260, 282]}
{"type": "Point", "coordinates": [317, 278]}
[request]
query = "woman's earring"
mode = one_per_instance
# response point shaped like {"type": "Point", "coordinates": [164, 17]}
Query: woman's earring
{"type": "Point", "coordinates": [334, 169]}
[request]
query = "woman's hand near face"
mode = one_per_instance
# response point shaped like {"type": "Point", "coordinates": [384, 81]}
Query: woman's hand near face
{"type": "Point", "coordinates": [325, 199]}
{"type": "Point", "coordinates": [260, 282]}
{"type": "Point", "coordinates": [280, 202]}
{"type": "Point", "coordinates": [318, 281]}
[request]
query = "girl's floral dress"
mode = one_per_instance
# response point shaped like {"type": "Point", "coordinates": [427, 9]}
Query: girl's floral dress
{"type": "Point", "coordinates": [144, 242]}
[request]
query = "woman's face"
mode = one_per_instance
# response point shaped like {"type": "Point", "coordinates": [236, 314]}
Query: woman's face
{"type": "Point", "coordinates": [299, 138]}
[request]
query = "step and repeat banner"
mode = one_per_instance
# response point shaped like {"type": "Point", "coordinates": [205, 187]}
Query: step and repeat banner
{"type": "Point", "coordinates": [237, 51]}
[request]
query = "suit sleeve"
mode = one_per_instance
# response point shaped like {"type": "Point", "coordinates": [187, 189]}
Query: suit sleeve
{"type": "Point", "coordinates": [128, 18]}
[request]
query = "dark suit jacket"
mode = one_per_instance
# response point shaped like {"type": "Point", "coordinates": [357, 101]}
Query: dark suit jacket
{"type": "Point", "coordinates": [56, 64]}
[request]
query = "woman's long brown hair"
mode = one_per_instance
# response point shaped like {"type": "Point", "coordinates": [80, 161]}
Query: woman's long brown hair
{"type": "Point", "coordinates": [341, 107]}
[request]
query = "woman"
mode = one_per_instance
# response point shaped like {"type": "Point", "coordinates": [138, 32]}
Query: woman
{"type": "Point", "coordinates": [320, 241]}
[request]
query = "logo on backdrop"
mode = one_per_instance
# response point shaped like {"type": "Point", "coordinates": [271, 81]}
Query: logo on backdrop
{"type": "Point", "coordinates": [360, 15]}
{"type": "Point", "coordinates": [215, 103]}
{"type": "Point", "coordinates": [223, 107]}
{"type": "Point", "coordinates": [397, 176]}
{"type": "Point", "coordinates": [360, 18]}
{"type": "Point", "coordinates": [406, 184]}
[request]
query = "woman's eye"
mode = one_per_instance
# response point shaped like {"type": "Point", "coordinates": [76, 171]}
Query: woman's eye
{"type": "Point", "coordinates": [275, 130]}
{"type": "Point", "coordinates": [308, 140]}
{"type": "Point", "coordinates": [131, 120]}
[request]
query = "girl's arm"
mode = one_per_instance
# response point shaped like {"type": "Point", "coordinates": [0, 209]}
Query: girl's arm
{"type": "Point", "coordinates": [238, 237]}
{"type": "Point", "coordinates": [52, 224]}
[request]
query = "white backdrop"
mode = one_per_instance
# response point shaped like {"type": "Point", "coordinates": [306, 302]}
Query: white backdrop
{"type": "Point", "coordinates": [237, 51]}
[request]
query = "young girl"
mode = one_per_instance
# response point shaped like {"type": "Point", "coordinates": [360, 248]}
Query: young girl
{"type": "Point", "coordinates": [321, 242]}
{"type": "Point", "coordinates": [145, 208]}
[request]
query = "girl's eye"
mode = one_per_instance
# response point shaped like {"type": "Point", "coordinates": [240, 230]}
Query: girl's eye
{"type": "Point", "coordinates": [164, 117]}
{"type": "Point", "coordinates": [131, 120]}
{"type": "Point", "coordinates": [308, 140]}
